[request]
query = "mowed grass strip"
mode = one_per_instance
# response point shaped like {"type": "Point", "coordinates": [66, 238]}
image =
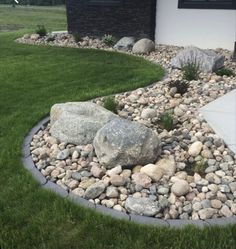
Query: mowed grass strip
{"type": "Point", "coordinates": [32, 78]}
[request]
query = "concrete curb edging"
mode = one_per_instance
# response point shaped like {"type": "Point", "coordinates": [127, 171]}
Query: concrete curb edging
{"type": "Point", "coordinates": [53, 187]}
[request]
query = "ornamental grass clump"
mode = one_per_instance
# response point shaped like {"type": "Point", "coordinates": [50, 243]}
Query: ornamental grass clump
{"type": "Point", "coordinates": [166, 121]}
{"type": "Point", "coordinates": [77, 37]}
{"type": "Point", "coordinates": [41, 30]}
{"type": "Point", "coordinates": [109, 40]}
{"type": "Point", "coordinates": [111, 104]}
{"type": "Point", "coordinates": [191, 69]}
{"type": "Point", "coordinates": [225, 72]}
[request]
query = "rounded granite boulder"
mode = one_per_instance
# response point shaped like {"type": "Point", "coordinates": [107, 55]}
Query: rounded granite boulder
{"type": "Point", "coordinates": [126, 143]}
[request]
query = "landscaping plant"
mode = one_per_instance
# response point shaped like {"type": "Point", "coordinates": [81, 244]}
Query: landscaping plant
{"type": "Point", "coordinates": [77, 37]}
{"type": "Point", "coordinates": [50, 39]}
{"type": "Point", "coordinates": [109, 40]}
{"type": "Point", "coordinates": [111, 104]}
{"type": "Point", "coordinates": [197, 167]}
{"type": "Point", "coordinates": [166, 121]}
{"type": "Point", "coordinates": [225, 72]}
{"type": "Point", "coordinates": [41, 30]}
{"type": "Point", "coordinates": [191, 70]}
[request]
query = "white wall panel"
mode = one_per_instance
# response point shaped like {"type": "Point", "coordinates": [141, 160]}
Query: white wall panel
{"type": "Point", "coordinates": [205, 28]}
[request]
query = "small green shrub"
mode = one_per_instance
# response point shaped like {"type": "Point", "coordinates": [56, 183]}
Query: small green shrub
{"type": "Point", "coordinates": [77, 37]}
{"type": "Point", "coordinates": [225, 71]}
{"type": "Point", "coordinates": [166, 121]}
{"type": "Point", "coordinates": [181, 86]}
{"type": "Point", "coordinates": [197, 167]}
{"type": "Point", "coordinates": [111, 104]}
{"type": "Point", "coordinates": [41, 30]}
{"type": "Point", "coordinates": [50, 39]}
{"type": "Point", "coordinates": [191, 70]}
{"type": "Point", "coordinates": [109, 40]}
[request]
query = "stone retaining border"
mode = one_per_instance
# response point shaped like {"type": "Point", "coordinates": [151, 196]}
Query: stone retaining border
{"type": "Point", "coordinates": [53, 187]}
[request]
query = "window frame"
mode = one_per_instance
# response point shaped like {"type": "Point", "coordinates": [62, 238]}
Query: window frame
{"type": "Point", "coordinates": [185, 4]}
{"type": "Point", "coordinates": [104, 2]}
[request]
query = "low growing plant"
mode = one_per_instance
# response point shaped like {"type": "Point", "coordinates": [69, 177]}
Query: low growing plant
{"type": "Point", "coordinates": [50, 39]}
{"type": "Point", "coordinates": [166, 121]}
{"type": "Point", "coordinates": [41, 30]}
{"type": "Point", "coordinates": [109, 40]}
{"type": "Point", "coordinates": [181, 86]}
{"type": "Point", "coordinates": [197, 167]}
{"type": "Point", "coordinates": [77, 37]}
{"type": "Point", "coordinates": [225, 72]}
{"type": "Point", "coordinates": [191, 69]}
{"type": "Point", "coordinates": [111, 104]}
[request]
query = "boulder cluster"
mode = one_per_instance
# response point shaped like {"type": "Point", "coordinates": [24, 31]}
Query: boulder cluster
{"type": "Point", "coordinates": [117, 141]}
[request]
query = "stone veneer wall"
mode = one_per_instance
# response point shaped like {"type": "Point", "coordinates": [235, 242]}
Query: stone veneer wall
{"type": "Point", "coordinates": [130, 18]}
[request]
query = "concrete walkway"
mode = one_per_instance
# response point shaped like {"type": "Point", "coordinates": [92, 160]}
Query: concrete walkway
{"type": "Point", "coordinates": [221, 116]}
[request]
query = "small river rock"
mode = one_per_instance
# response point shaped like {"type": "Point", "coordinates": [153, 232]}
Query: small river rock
{"type": "Point", "coordinates": [142, 206]}
{"type": "Point", "coordinates": [180, 187]}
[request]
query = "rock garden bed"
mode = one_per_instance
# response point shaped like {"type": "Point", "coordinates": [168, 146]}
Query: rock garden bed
{"type": "Point", "coordinates": [157, 157]}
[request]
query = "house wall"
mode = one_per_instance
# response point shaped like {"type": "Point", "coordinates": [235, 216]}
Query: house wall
{"type": "Point", "coordinates": [131, 18]}
{"type": "Point", "coordinates": [205, 28]}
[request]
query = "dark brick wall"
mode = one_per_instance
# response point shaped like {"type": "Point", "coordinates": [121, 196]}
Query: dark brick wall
{"type": "Point", "coordinates": [131, 18]}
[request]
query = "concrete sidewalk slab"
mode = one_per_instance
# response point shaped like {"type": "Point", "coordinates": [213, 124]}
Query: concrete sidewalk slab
{"type": "Point", "coordinates": [221, 116]}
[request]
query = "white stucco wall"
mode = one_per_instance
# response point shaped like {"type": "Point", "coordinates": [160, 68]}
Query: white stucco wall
{"type": "Point", "coordinates": [198, 27]}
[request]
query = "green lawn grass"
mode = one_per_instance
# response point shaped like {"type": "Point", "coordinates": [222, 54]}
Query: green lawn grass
{"type": "Point", "coordinates": [32, 78]}
{"type": "Point", "coordinates": [28, 17]}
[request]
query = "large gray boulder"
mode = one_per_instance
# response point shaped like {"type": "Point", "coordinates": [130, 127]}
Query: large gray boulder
{"type": "Point", "coordinates": [78, 122]}
{"type": "Point", "coordinates": [143, 46]}
{"type": "Point", "coordinates": [125, 44]}
{"type": "Point", "coordinates": [126, 143]}
{"type": "Point", "coordinates": [142, 206]}
{"type": "Point", "coordinates": [208, 60]}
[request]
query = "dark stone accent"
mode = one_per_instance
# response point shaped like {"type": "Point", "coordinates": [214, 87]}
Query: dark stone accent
{"type": "Point", "coordinates": [129, 18]}
{"type": "Point", "coordinates": [55, 188]}
{"type": "Point", "coordinates": [29, 165]}
{"type": "Point", "coordinates": [222, 221]}
{"type": "Point", "coordinates": [183, 223]}
{"type": "Point", "coordinates": [148, 220]}
{"type": "Point", "coordinates": [111, 212]}
{"type": "Point", "coordinates": [80, 201]}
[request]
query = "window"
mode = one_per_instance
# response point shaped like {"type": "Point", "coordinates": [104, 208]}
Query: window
{"type": "Point", "coordinates": [207, 4]}
{"type": "Point", "coordinates": [104, 2]}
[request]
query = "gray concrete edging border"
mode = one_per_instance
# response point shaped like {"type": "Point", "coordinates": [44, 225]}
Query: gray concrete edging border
{"type": "Point", "coordinates": [46, 184]}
